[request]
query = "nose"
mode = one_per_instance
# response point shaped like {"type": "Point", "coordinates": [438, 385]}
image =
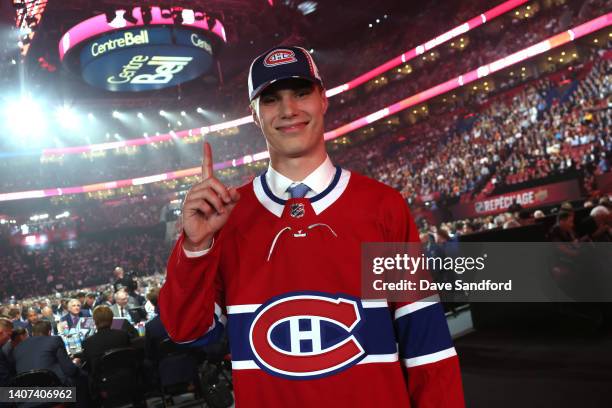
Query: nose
{"type": "Point", "coordinates": [288, 107]}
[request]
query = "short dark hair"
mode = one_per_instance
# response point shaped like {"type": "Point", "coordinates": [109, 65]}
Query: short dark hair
{"type": "Point", "coordinates": [41, 328]}
{"type": "Point", "coordinates": [14, 312]}
{"type": "Point", "coordinates": [17, 331]}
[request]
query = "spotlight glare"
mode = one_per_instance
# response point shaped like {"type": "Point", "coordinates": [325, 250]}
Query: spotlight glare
{"type": "Point", "coordinates": [67, 118]}
{"type": "Point", "coordinates": [90, 116]}
{"type": "Point", "coordinates": [183, 113]}
{"type": "Point", "coordinates": [140, 115]}
{"type": "Point", "coordinates": [115, 114]}
{"type": "Point", "coordinates": [25, 117]}
{"type": "Point", "coordinates": [162, 113]}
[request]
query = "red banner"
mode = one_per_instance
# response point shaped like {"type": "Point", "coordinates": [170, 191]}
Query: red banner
{"type": "Point", "coordinates": [532, 197]}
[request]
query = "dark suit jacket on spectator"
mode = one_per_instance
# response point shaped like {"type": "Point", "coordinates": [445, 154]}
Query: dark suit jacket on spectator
{"type": "Point", "coordinates": [155, 332]}
{"type": "Point", "coordinates": [68, 318]}
{"type": "Point", "coordinates": [45, 352]}
{"type": "Point", "coordinates": [7, 368]}
{"type": "Point", "coordinates": [101, 342]}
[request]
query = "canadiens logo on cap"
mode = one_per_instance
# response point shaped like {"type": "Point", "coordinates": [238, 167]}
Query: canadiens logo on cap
{"type": "Point", "coordinates": [279, 57]}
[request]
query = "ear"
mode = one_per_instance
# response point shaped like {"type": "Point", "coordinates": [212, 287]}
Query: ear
{"type": "Point", "coordinates": [253, 107]}
{"type": "Point", "coordinates": [325, 101]}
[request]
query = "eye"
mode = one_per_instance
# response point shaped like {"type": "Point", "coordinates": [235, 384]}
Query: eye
{"type": "Point", "coordinates": [268, 99]}
{"type": "Point", "coordinates": [304, 92]}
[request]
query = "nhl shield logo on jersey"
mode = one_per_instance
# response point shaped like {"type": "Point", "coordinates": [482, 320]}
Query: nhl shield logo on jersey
{"type": "Point", "coordinates": [297, 210]}
{"type": "Point", "coordinates": [305, 335]}
{"type": "Point", "coordinates": [279, 57]}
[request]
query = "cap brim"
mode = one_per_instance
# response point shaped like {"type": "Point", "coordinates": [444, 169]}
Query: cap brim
{"type": "Point", "coordinates": [256, 92]}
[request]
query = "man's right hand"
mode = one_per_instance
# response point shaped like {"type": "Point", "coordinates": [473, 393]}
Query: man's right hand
{"type": "Point", "coordinates": [207, 207]}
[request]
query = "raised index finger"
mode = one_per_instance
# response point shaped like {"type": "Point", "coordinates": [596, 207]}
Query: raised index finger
{"type": "Point", "coordinates": [207, 162]}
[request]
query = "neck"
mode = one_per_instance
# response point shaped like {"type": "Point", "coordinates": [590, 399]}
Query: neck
{"type": "Point", "coordinates": [297, 168]}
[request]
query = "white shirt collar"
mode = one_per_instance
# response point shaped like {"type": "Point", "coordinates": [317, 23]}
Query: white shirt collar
{"type": "Point", "coordinates": [318, 180]}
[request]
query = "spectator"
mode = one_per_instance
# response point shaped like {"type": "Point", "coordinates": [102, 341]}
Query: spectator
{"type": "Point", "coordinates": [7, 370]}
{"type": "Point", "coordinates": [563, 230]}
{"type": "Point", "coordinates": [104, 339]}
{"type": "Point", "coordinates": [121, 308]}
{"type": "Point", "coordinates": [47, 314]}
{"type": "Point", "coordinates": [155, 332]}
{"type": "Point", "coordinates": [43, 351]}
{"type": "Point", "coordinates": [74, 313]}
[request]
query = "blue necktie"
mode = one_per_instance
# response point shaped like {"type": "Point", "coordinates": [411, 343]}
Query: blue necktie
{"type": "Point", "coordinates": [298, 191]}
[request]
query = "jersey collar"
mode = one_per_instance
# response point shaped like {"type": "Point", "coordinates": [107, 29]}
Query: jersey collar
{"type": "Point", "coordinates": [319, 202]}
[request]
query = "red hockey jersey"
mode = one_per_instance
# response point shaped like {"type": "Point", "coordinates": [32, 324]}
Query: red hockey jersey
{"type": "Point", "coordinates": [283, 278]}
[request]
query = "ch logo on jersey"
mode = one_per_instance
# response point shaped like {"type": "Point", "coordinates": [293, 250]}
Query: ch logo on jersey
{"type": "Point", "coordinates": [301, 336]}
{"type": "Point", "coordinates": [279, 57]}
{"type": "Point", "coordinates": [297, 210]}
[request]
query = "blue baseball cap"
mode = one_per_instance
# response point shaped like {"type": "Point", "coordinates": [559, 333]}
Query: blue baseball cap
{"type": "Point", "coordinates": [281, 63]}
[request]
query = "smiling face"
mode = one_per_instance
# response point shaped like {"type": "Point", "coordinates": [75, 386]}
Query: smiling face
{"type": "Point", "coordinates": [290, 114]}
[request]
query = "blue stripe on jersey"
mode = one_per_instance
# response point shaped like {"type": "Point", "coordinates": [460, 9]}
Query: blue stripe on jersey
{"type": "Point", "coordinates": [374, 333]}
{"type": "Point", "coordinates": [423, 332]}
{"type": "Point", "coordinates": [209, 337]}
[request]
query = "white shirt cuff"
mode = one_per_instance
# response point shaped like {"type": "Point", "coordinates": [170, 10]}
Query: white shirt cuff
{"type": "Point", "coordinates": [196, 254]}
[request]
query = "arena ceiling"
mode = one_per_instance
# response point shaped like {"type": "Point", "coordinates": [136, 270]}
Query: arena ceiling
{"type": "Point", "coordinates": [252, 26]}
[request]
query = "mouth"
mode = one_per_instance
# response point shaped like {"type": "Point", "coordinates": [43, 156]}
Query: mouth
{"type": "Point", "coordinates": [292, 128]}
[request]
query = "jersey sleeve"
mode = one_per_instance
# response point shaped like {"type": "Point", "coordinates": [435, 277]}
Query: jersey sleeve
{"type": "Point", "coordinates": [425, 345]}
{"type": "Point", "coordinates": [191, 305]}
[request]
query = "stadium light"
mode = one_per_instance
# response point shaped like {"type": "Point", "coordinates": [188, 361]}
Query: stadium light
{"type": "Point", "coordinates": [67, 118]}
{"type": "Point", "coordinates": [25, 117]}
{"type": "Point", "coordinates": [140, 115]}
{"type": "Point", "coordinates": [90, 116]}
{"type": "Point", "coordinates": [115, 114]}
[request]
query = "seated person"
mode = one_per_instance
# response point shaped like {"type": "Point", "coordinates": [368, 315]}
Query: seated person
{"type": "Point", "coordinates": [155, 332]}
{"type": "Point", "coordinates": [32, 317]}
{"type": "Point", "coordinates": [74, 313]}
{"type": "Point", "coordinates": [18, 335]}
{"type": "Point", "coordinates": [43, 351]}
{"type": "Point", "coordinates": [121, 307]}
{"type": "Point", "coordinates": [105, 338]}
{"type": "Point", "coordinates": [7, 369]}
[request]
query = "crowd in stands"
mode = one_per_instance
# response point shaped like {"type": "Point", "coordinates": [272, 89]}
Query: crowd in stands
{"type": "Point", "coordinates": [132, 213]}
{"type": "Point", "coordinates": [595, 226]}
{"type": "Point", "coordinates": [61, 266]}
{"type": "Point", "coordinates": [526, 135]}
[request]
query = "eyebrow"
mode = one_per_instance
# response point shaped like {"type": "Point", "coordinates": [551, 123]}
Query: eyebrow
{"type": "Point", "coordinates": [296, 88]}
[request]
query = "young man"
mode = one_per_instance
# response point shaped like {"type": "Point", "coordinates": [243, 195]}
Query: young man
{"type": "Point", "coordinates": [280, 257]}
